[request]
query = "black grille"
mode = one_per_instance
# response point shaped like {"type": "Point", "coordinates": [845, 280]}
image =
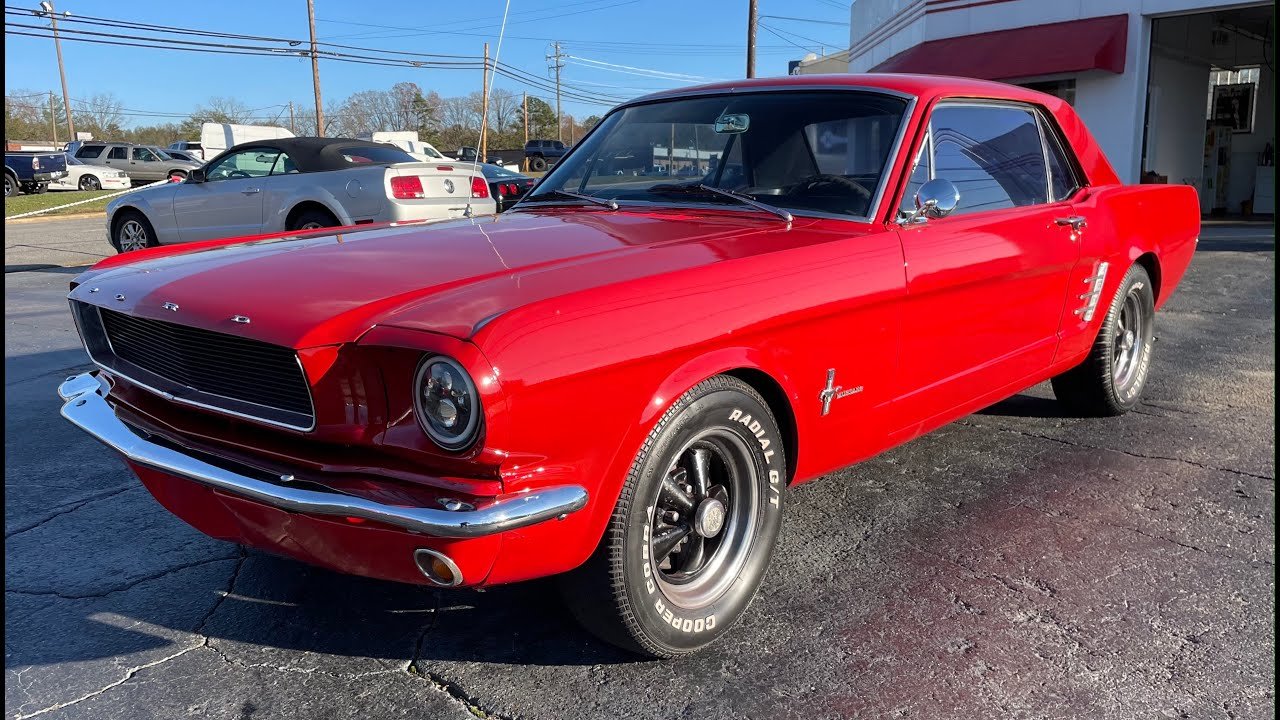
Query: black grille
{"type": "Point", "coordinates": [213, 364]}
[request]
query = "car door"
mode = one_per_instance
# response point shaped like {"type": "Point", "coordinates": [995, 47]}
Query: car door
{"type": "Point", "coordinates": [144, 165]}
{"type": "Point", "coordinates": [228, 203]}
{"type": "Point", "coordinates": [987, 284]}
{"type": "Point", "coordinates": [117, 156]}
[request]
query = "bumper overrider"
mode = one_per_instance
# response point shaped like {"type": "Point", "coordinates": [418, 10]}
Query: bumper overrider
{"type": "Point", "coordinates": [85, 406]}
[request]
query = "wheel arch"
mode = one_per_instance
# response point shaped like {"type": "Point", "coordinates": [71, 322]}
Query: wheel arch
{"type": "Point", "coordinates": [1151, 264]}
{"type": "Point", "coordinates": [305, 205]}
{"type": "Point", "coordinates": [750, 365]}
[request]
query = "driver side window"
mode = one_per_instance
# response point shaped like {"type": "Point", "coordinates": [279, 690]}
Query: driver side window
{"type": "Point", "coordinates": [251, 163]}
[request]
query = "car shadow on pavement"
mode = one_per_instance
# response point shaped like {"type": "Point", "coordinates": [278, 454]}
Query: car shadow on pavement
{"type": "Point", "coordinates": [1027, 406]}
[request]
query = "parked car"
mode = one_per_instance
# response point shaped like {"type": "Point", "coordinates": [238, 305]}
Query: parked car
{"type": "Point", "coordinates": [191, 148]}
{"type": "Point", "coordinates": [183, 155]}
{"type": "Point", "coordinates": [31, 172]}
{"type": "Point", "coordinates": [81, 176]}
{"type": "Point", "coordinates": [296, 184]}
{"type": "Point", "coordinates": [542, 154]}
{"type": "Point", "coordinates": [469, 154]}
{"type": "Point", "coordinates": [619, 378]}
{"type": "Point", "coordinates": [506, 186]}
{"type": "Point", "coordinates": [143, 164]}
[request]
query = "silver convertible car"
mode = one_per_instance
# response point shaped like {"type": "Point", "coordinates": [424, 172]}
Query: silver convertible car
{"type": "Point", "coordinates": [296, 184]}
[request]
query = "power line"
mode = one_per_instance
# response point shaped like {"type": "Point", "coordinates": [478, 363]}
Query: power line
{"type": "Point", "coordinates": [639, 70]}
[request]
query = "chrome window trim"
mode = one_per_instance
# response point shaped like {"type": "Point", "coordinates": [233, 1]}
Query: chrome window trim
{"type": "Point", "coordinates": [876, 199]}
{"type": "Point", "coordinates": [115, 372]}
{"type": "Point", "coordinates": [1034, 111]}
{"type": "Point", "coordinates": [1069, 159]}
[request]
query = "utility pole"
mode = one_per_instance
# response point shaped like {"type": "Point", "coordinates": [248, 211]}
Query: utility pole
{"type": "Point", "coordinates": [53, 119]}
{"type": "Point", "coordinates": [47, 7]}
{"type": "Point", "coordinates": [292, 128]}
{"type": "Point", "coordinates": [315, 68]}
{"type": "Point", "coordinates": [484, 108]}
{"type": "Point", "coordinates": [524, 102]}
{"type": "Point", "coordinates": [753, 19]}
{"type": "Point", "coordinates": [557, 65]}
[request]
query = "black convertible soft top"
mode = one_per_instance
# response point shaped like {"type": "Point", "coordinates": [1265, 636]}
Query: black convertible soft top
{"type": "Point", "coordinates": [315, 154]}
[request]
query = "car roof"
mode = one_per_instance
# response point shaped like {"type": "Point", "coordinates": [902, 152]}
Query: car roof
{"type": "Point", "coordinates": [919, 86]}
{"type": "Point", "coordinates": [314, 154]}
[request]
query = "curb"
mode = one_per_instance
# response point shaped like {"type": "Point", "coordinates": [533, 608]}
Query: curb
{"type": "Point", "coordinates": [50, 218]}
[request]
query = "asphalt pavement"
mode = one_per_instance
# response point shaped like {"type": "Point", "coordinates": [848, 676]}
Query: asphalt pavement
{"type": "Point", "coordinates": [45, 242]}
{"type": "Point", "coordinates": [1014, 564]}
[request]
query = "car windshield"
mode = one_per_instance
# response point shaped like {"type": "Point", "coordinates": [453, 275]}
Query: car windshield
{"type": "Point", "coordinates": [821, 151]}
{"type": "Point", "coordinates": [163, 155]}
{"type": "Point", "coordinates": [71, 159]}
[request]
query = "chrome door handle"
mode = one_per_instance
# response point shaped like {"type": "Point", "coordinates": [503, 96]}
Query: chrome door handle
{"type": "Point", "coordinates": [1077, 222]}
{"type": "Point", "coordinates": [251, 191]}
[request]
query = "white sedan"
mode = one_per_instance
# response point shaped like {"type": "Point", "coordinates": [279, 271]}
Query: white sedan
{"type": "Point", "coordinates": [285, 184]}
{"type": "Point", "coordinates": [81, 176]}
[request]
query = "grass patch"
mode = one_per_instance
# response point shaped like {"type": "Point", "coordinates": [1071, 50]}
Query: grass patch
{"type": "Point", "coordinates": [19, 204]}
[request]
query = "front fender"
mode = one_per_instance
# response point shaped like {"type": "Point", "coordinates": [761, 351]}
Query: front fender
{"type": "Point", "coordinates": [156, 204]}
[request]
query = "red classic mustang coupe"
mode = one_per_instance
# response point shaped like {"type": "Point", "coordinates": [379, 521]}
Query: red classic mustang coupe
{"type": "Point", "coordinates": [720, 292]}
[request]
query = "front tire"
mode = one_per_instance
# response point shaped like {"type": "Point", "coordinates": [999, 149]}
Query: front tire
{"type": "Point", "coordinates": [90, 182]}
{"type": "Point", "coordinates": [133, 232]}
{"type": "Point", "coordinates": [1111, 379]}
{"type": "Point", "coordinates": [693, 531]}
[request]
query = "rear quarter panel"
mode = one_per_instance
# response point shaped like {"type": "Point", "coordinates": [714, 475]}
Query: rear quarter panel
{"type": "Point", "coordinates": [1127, 222]}
{"type": "Point", "coordinates": [349, 194]}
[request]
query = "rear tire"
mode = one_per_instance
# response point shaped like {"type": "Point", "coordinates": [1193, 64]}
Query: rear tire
{"type": "Point", "coordinates": [312, 219]}
{"type": "Point", "coordinates": [90, 182]}
{"type": "Point", "coordinates": [1111, 379]}
{"type": "Point", "coordinates": [538, 163]}
{"type": "Point", "coordinates": [132, 231]}
{"type": "Point", "coordinates": [694, 527]}
{"type": "Point", "coordinates": [40, 188]}
{"type": "Point", "coordinates": [10, 185]}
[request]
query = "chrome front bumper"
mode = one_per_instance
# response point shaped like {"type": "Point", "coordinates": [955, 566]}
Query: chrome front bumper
{"type": "Point", "coordinates": [85, 405]}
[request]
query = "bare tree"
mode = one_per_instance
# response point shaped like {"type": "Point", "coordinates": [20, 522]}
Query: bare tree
{"type": "Point", "coordinates": [101, 115]}
{"type": "Point", "coordinates": [504, 109]}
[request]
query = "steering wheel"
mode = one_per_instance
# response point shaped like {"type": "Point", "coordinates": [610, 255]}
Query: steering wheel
{"type": "Point", "coordinates": [825, 182]}
{"type": "Point", "coordinates": [238, 174]}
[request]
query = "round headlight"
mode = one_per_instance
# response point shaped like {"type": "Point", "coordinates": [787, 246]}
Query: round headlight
{"type": "Point", "coordinates": [446, 402]}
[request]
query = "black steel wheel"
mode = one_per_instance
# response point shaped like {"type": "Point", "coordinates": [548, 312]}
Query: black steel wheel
{"type": "Point", "coordinates": [1111, 379]}
{"type": "Point", "coordinates": [693, 531]}
{"type": "Point", "coordinates": [538, 163]}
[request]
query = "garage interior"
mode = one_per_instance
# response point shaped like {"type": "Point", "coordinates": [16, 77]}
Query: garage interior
{"type": "Point", "coordinates": [1224, 62]}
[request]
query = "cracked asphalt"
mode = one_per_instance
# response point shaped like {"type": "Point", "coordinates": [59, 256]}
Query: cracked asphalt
{"type": "Point", "coordinates": [1015, 564]}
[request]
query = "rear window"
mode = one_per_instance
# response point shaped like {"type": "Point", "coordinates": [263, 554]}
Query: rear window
{"type": "Point", "coordinates": [90, 151]}
{"type": "Point", "coordinates": [362, 155]}
{"type": "Point", "coordinates": [493, 171]}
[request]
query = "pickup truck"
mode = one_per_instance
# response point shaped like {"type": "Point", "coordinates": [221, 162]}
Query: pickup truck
{"type": "Point", "coordinates": [543, 154]}
{"type": "Point", "coordinates": [467, 153]}
{"type": "Point", "coordinates": [31, 172]}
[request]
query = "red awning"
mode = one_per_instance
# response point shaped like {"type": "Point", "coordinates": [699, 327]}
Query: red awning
{"type": "Point", "coordinates": [1092, 44]}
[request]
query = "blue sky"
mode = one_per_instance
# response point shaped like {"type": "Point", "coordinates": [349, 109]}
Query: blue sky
{"type": "Point", "coordinates": [678, 38]}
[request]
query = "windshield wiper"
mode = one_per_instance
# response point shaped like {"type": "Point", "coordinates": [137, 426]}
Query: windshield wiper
{"type": "Point", "coordinates": [740, 197]}
{"type": "Point", "coordinates": [604, 202]}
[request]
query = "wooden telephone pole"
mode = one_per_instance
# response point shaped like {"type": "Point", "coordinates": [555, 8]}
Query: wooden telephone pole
{"type": "Point", "coordinates": [47, 7]}
{"type": "Point", "coordinates": [484, 108]}
{"type": "Point", "coordinates": [53, 119]}
{"type": "Point", "coordinates": [524, 102]}
{"type": "Point", "coordinates": [315, 68]}
{"type": "Point", "coordinates": [557, 65]}
{"type": "Point", "coordinates": [292, 128]}
{"type": "Point", "coordinates": [753, 19]}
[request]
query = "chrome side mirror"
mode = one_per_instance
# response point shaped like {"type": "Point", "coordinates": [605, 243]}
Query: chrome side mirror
{"type": "Point", "coordinates": [937, 198]}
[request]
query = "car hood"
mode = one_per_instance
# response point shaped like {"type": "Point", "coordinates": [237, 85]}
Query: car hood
{"type": "Point", "coordinates": [448, 277]}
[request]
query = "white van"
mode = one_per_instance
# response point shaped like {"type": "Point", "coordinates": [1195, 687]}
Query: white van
{"type": "Point", "coordinates": [216, 137]}
{"type": "Point", "coordinates": [408, 141]}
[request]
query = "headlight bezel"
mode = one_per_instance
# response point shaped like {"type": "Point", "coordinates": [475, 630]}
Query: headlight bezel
{"type": "Point", "coordinates": [475, 424]}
